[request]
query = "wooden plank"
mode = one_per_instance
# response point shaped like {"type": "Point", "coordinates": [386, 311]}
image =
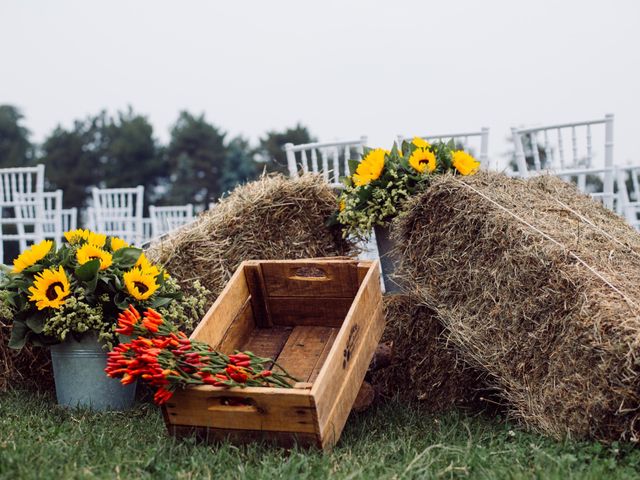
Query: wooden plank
{"type": "Point", "coordinates": [363, 269]}
{"type": "Point", "coordinates": [324, 355]}
{"type": "Point", "coordinates": [286, 440]}
{"type": "Point", "coordinates": [300, 311]}
{"type": "Point", "coordinates": [302, 351]}
{"type": "Point", "coordinates": [267, 342]}
{"type": "Point", "coordinates": [255, 283]}
{"type": "Point", "coordinates": [339, 380]}
{"type": "Point", "coordinates": [217, 320]}
{"type": "Point", "coordinates": [275, 409]}
{"type": "Point", "coordinates": [239, 331]}
{"type": "Point", "coordinates": [302, 278]}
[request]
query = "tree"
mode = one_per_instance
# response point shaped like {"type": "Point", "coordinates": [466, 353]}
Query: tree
{"type": "Point", "coordinates": [15, 148]}
{"type": "Point", "coordinates": [239, 165]}
{"type": "Point", "coordinates": [271, 149]}
{"type": "Point", "coordinates": [197, 158]}
{"type": "Point", "coordinates": [130, 155]}
{"type": "Point", "coordinates": [73, 160]}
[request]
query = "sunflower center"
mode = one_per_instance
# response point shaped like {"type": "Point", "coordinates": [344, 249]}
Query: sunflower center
{"type": "Point", "coordinates": [51, 290]}
{"type": "Point", "coordinates": [142, 288]}
{"type": "Point", "coordinates": [425, 161]}
{"type": "Point", "coordinates": [94, 257]}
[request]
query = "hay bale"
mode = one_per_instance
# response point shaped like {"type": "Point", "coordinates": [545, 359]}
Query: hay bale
{"type": "Point", "coordinates": [29, 368]}
{"type": "Point", "coordinates": [538, 285]}
{"type": "Point", "coordinates": [424, 367]}
{"type": "Point", "coordinates": [273, 218]}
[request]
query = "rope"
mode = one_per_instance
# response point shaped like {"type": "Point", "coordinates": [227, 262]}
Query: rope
{"type": "Point", "coordinates": [553, 240]}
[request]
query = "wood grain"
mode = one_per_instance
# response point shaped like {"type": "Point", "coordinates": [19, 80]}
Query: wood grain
{"type": "Point", "coordinates": [256, 286]}
{"type": "Point", "coordinates": [303, 350]}
{"type": "Point", "coordinates": [284, 279]}
{"type": "Point", "coordinates": [239, 331]}
{"type": "Point", "coordinates": [328, 312]}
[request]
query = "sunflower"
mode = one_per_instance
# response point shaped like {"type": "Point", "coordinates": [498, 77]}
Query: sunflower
{"type": "Point", "coordinates": [146, 266]}
{"type": "Point", "coordinates": [50, 288]}
{"type": "Point", "coordinates": [420, 142]}
{"type": "Point", "coordinates": [342, 205]}
{"type": "Point", "coordinates": [80, 235]}
{"type": "Point", "coordinates": [423, 160]}
{"type": "Point", "coordinates": [30, 257]}
{"type": "Point", "coordinates": [140, 284]}
{"type": "Point", "coordinates": [370, 168]}
{"type": "Point", "coordinates": [117, 243]}
{"type": "Point", "coordinates": [89, 252]}
{"type": "Point", "coordinates": [464, 163]}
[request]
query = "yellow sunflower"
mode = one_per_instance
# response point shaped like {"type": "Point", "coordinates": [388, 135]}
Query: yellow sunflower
{"type": "Point", "coordinates": [79, 235]}
{"type": "Point", "coordinates": [50, 288]}
{"type": "Point", "coordinates": [464, 163]}
{"type": "Point", "coordinates": [370, 168]}
{"type": "Point", "coordinates": [420, 142]}
{"type": "Point", "coordinates": [342, 205]}
{"type": "Point", "coordinates": [89, 252]}
{"type": "Point", "coordinates": [117, 243]}
{"type": "Point", "coordinates": [140, 284]}
{"type": "Point", "coordinates": [32, 256]}
{"type": "Point", "coordinates": [423, 160]}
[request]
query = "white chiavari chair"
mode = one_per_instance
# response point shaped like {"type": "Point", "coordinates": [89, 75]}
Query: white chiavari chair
{"type": "Point", "coordinates": [118, 212]}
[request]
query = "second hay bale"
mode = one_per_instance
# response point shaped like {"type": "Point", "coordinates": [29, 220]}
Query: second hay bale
{"type": "Point", "coordinates": [538, 285]}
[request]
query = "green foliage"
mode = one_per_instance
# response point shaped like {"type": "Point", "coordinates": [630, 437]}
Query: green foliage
{"type": "Point", "coordinates": [196, 157]}
{"type": "Point", "coordinates": [271, 147]}
{"type": "Point", "coordinates": [186, 313]}
{"type": "Point", "coordinates": [15, 148]}
{"type": "Point", "coordinates": [390, 441]}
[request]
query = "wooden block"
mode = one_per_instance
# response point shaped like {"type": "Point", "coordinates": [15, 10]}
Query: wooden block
{"type": "Point", "coordinates": [303, 350]}
{"type": "Point", "coordinates": [311, 279]}
{"type": "Point", "coordinates": [267, 342]}
{"type": "Point", "coordinates": [328, 312]}
{"type": "Point", "coordinates": [222, 313]}
{"type": "Point", "coordinates": [255, 283]}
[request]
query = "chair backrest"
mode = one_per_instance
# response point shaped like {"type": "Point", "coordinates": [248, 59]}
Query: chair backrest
{"type": "Point", "coordinates": [165, 219]}
{"type": "Point", "coordinates": [69, 219]}
{"type": "Point", "coordinates": [331, 159]}
{"type": "Point", "coordinates": [118, 212]}
{"type": "Point", "coordinates": [147, 229]}
{"type": "Point", "coordinates": [29, 219]}
{"type": "Point", "coordinates": [629, 176]}
{"type": "Point", "coordinates": [476, 143]}
{"type": "Point", "coordinates": [546, 149]}
{"type": "Point", "coordinates": [52, 226]}
{"type": "Point", "coordinates": [593, 181]}
{"type": "Point", "coordinates": [19, 180]}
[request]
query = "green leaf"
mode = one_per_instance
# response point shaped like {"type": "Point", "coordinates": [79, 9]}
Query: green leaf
{"type": "Point", "coordinates": [19, 334]}
{"type": "Point", "coordinates": [353, 165]}
{"type": "Point", "coordinates": [121, 301]}
{"type": "Point", "coordinates": [126, 257]}
{"type": "Point", "coordinates": [36, 322]}
{"type": "Point", "coordinates": [88, 271]}
{"type": "Point", "coordinates": [161, 302]}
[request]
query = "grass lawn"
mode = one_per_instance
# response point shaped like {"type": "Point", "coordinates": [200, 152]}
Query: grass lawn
{"type": "Point", "coordinates": [40, 440]}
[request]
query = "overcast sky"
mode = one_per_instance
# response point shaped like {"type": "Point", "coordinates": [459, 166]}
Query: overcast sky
{"type": "Point", "coordinates": [344, 68]}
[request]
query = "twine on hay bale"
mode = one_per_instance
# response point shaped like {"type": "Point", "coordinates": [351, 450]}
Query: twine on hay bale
{"type": "Point", "coordinates": [538, 285]}
{"type": "Point", "coordinates": [272, 218]}
{"type": "Point", "coordinates": [424, 367]}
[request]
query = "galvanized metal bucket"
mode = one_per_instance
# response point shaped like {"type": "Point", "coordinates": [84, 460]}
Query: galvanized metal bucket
{"type": "Point", "coordinates": [78, 370]}
{"type": "Point", "coordinates": [388, 261]}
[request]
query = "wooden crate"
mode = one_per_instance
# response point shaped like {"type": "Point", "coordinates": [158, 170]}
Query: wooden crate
{"type": "Point", "coordinates": [320, 319]}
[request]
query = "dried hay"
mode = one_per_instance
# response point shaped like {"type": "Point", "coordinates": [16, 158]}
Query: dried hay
{"type": "Point", "coordinates": [538, 285]}
{"type": "Point", "coordinates": [272, 218]}
{"type": "Point", "coordinates": [424, 367]}
{"type": "Point", "coordinates": [28, 368]}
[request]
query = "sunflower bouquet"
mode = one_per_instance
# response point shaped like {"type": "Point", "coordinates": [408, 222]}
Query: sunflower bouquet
{"type": "Point", "coordinates": [383, 179]}
{"type": "Point", "coordinates": [80, 286]}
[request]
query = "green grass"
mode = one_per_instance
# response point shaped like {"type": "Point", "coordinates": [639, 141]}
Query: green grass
{"type": "Point", "coordinates": [40, 440]}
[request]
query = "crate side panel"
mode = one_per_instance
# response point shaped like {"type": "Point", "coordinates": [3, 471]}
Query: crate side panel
{"type": "Point", "coordinates": [324, 355]}
{"type": "Point", "coordinates": [310, 279]}
{"type": "Point", "coordinates": [273, 410]}
{"type": "Point", "coordinates": [312, 311]}
{"type": "Point", "coordinates": [222, 313]}
{"type": "Point", "coordinates": [239, 331]}
{"type": "Point", "coordinates": [267, 342]}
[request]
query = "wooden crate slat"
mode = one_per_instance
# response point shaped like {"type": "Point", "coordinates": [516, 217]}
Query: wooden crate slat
{"type": "Point", "coordinates": [323, 355]}
{"type": "Point", "coordinates": [302, 351]}
{"type": "Point", "coordinates": [329, 312]}
{"type": "Point", "coordinates": [217, 320]}
{"type": "Point", "coordinates": [270, 410]}
{"type": "Point", "coordinates": [255, 283]}
{"type": "Point", "coordinates": [292, 279]}
{"type": "Point", "coordinates": [267, 342]}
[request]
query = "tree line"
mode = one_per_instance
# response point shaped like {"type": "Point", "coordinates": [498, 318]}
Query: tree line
{"type": "Point", "coordinates": [198, 165]}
